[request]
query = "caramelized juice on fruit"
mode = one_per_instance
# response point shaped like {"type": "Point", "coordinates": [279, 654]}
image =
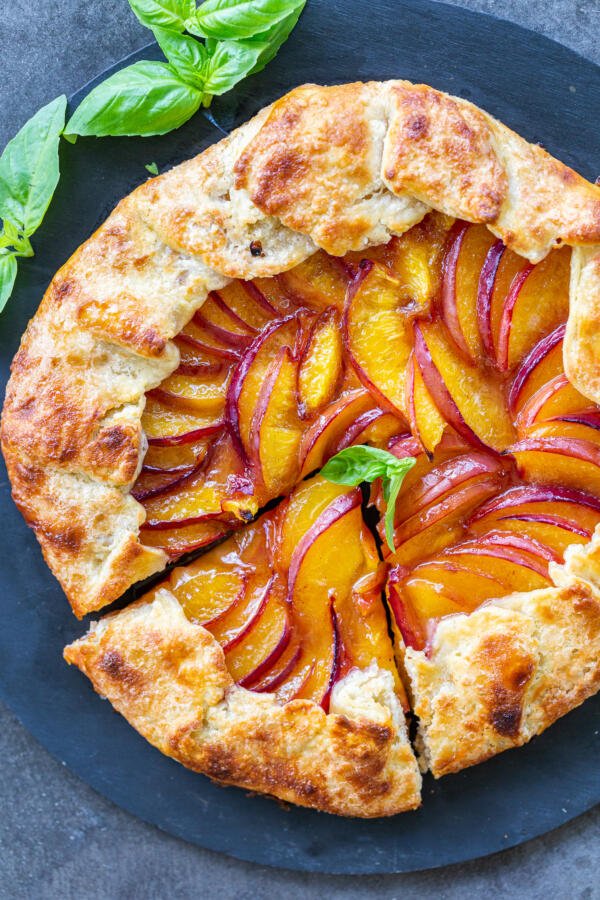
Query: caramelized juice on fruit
{"type": "Point", "coordinates": [292, 613]}
{"type": "Point", "coordinates": [441, 343]}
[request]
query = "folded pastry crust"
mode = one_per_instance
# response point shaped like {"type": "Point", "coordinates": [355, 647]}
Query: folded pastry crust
{"type": "Point", "coordinates": [340, 168]}
{"type": "Point", "coordinates": [168, 677]}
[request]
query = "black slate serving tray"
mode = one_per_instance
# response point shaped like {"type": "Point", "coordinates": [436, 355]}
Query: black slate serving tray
{"type": "Point", "coordinates": [548, 94]}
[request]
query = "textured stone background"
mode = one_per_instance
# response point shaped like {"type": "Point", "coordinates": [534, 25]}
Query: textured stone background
{"type": "Point", "coordinates": [58, 839]}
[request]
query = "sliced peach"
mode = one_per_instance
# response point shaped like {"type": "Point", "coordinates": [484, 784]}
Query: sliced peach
{"type": "Point", "coordinates": [362, 620]}
{"type": "Point", "coordinates": [154, 480]}
{"type": "Point", "coordinates": [194, 359]}
{"type": "Point", "coordinates": [276, 430]}
{"type": "Point", "coordinates": [543, 499]}
{"type": "Point", "coordinates": [249, 306]}
{"type": "Point", "coordinates": [555, 532]}
{"type": "Point", "coordinates": [564, 461]}
{"type": "Point", "coordinates": [202, 493]}
{"type": "Point", "coordinates": [556, 398]}
{"type": "Point", "coordinates": [320, 439]}
{"type": "Point", "coordinates": [470, 400]}
{"type": "Point", "coordinates": [405, 620]}
{"type": "Point", "coordinates": [159, 458]}
{"type": "Point", "coordinates": [537, 303]}
{"type": "Point", "coordinates": [249, 375]}
{"type": "Point", "coordinates": [518, 570]}
{"type": "Point", "coordinates": [177, 540]}
{"type": "Point", "coordinates": [297, 514]}
{"type": "Point", "coordinates": [508, 266]}
{"type": "Point", "coordinates": [425, 420]}
{"type": "Point", "coordinates": [459, 585]}
{"type": "Point", "coordinates": [485, 293]}
{"type": "Point", "coordinates": [165, 425]}
{"type": "Point", "coordinates": [375, 427]}
{"type": "Point", "coordinates": [271, 293]}
{"type": "Point", "coordinates": [543, 363]}
{"type": "Point", "coordinates": [204, 394]}
{"type": "Point", "coordinates": [318, 282]}
{"type": "Point", "coordinates": [207, 592]}
{"type": "Point", "coordinates": [278, 672]}
{"type": "Point", "coordinates": [442, 523]}
{"type": "Point", "coordinates": [583, 425]}
{"type": "Point", "coordinates": [320, 364]}
{"type": "Point", "coordinates": [262, 643]}
{"type": "Point", "coordinates": [377, 333]}
{"type": "Point", "coordinates": [316, 574]}
{"type": "Point", "coordinates": [466, 252]}
{"type": "Point", "coordinates": [223, 323]}
{"type": "Point", "coordinates": [415, 257]}
{"type": "Point", "coordinates": [195, 335]}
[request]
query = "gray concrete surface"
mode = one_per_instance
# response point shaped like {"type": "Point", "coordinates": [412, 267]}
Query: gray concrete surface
{"type": "Point", "coordinates": [58, 839]}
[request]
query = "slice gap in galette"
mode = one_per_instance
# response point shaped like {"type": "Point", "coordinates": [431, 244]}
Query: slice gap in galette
{"type": "Point", "coordinates": [368, 264]}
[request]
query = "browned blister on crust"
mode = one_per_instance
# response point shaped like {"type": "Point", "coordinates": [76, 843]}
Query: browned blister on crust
{"type": "Point", "coordinates": [494, 679]}
{"type": "Point", "coordinates": [168, 677]}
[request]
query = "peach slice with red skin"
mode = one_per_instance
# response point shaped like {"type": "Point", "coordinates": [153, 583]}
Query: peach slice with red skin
{"type": "Point", "coordinates": [463, 264]}
{"type": "Point", "coordinates": [196, 337]}
{"type": "Point", "coordinates": [570, 462]}
{"type": "Point", "coordinates": [248, 377]}
{"type": "Point", "coordinates": [537, 302]}
{"type": "Point", "coordinates": [554, 399]}
{"type": "Point", "coordinates": [177, 540]}
{"type": "Point", "coordinates": [318, 282]}
{"type": "Point", "coordinates": [542, 363]}
{"type": "Point", "coordinates": [276, 431]}
{"type": "Point", "coordinates": [425, 420]}
{"type": "Point", "coordinates": [374, 426]}
{"type": "Point", "coordinates": [248, 304]}
{"type": "Point", "coordinates": [319, 440]}
{"type": "Point", "coordinates": [320, 365]}
{"type": "Point", "coordinates": [214, 489]}
{"type": "Point", "coordinates": [485, 291]}
{"type": "Point", "coordinates": [377, 335]}
{"type": "Point", "coordinates": [469, 399]}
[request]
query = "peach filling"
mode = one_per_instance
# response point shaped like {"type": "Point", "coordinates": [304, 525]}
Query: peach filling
{"type": "Point", "coordinates": [442, 344]}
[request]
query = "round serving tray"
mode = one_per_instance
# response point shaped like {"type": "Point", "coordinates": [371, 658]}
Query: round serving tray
{"type": "Point", "coordinates": [545, 92]}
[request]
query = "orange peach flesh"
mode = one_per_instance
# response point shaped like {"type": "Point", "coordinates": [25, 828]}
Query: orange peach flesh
{"type": "Point", "coordinates": [279, 374]}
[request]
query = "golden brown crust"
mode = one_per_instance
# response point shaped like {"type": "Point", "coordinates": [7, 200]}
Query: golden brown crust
{"type": "Point", "coordinates": [339, 168]}
{"type": "Point", "coordinates": [495, 678]}
{"type": "Point", "coordinates": [168, 678]}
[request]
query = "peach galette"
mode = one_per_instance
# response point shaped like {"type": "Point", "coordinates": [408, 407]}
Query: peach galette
{"type": "Point", "coordinates": [383, 283]}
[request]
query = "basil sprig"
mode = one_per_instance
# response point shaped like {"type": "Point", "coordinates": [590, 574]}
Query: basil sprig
{"type": "Point", "coordinates": [28, 177]}
{"type": "Point", "coordinates": [148, 98]}
{"type": "Point", "coordinates": [355, 465]}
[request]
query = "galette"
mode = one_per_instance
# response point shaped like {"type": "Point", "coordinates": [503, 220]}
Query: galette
{"type": "Point", "coordinates": [368, 264]}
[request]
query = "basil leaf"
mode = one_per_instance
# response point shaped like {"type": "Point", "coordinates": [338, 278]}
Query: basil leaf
{"type": "Point", "coordinates": [362, 463]}
{"type": "Point", "coordinates": [185, 54]}
{"type": "Point", "coordinates": [143, 99]}
{"type": "Point", "coordinates": [391, 489]}
{"type": "Point", "coordinates": [8, 273]}
{"type": "Point", "coordinates": [171, 14]}
{"type": "Point", "coordinates": [274, 37]}
{"type": "Point", "coordinates": [230, 62]}
{"type": "Point", "coordinates": [152, 168]}
{"type": "Point", "coordinates": [29, 167]}
{"type": "Point", "coordinates": [238, 19]}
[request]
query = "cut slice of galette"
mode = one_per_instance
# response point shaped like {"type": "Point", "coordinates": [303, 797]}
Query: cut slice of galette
{"type": "Point", "coordinates": [369, 263]}
{"type": "Point", "coordinates": [267, 662]}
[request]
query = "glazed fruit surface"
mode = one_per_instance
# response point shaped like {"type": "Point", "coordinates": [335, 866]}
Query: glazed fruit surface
{"type": "Point", "coordinates": [441, 344]}
{"type": "Point", "coordinates": [294, 599]}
